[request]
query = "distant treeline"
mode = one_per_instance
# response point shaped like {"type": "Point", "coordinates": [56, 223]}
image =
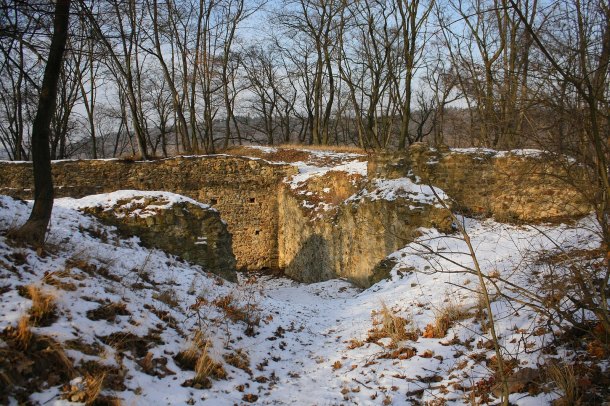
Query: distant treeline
{"type": "Point", "coordinates": [156, 78]}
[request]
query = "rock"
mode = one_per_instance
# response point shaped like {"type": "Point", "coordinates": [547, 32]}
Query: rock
{"type": "Point", "coordinates": [382, 270]}
{"type": "Point", "coordinates": [170, 222]}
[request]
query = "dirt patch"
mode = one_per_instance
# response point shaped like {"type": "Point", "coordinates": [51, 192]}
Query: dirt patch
{"type": "Point", "coordinates": [138, 346]}
{"type": "Point", "coordinates": [108, 312]}
{"type": "Point", "coordinates": [164, 316]}
{"type": "Point", "coordinates": [239, 359]}
{"type": "Point", "coordinates": [23, 371]}
{"type": "Point", "coordinates": [113, 376]}
{"type": "Point", "coordinates": [94, 349]}
{"type": "Point", "coordinates": [155, 366]}
{"type": "Point", "coordinates": [273, 155]}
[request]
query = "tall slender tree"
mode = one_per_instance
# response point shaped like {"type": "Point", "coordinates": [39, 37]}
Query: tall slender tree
{"type": "Point", "coordinates": [35, 228]}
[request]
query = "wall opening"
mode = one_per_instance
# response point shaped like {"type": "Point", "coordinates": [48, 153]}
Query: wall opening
{"type": "Point", "coordinates": [213, 201]}
{"type": "Point", "coordinates": [251, 200]}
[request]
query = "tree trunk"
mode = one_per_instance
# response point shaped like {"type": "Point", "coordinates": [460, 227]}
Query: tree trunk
{"type": "Point", "coordinates": [34, 230]}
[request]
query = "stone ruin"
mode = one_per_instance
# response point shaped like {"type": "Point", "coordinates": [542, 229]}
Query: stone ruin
{"type": "Point", "coordinates": [272, 228]}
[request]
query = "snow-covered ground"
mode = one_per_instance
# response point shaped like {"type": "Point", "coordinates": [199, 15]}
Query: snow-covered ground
{"type": "Point", "coordinates": [129, 312]}
{"type": "Point", "coordinates": [310, 346]}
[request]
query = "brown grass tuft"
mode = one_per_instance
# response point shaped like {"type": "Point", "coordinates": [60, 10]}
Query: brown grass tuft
{"type": "Point", "coordinates": [565, 379]}
{"type": "Point", "coordinates": [391, 325]}
{"type": "Point", "coordinates": [23, 334]}
{"type": "Point", "coordinates": [444, 320]}
{"type": "Point", "coordinates": [93, 387]}
{"type": "Point", "coordinates": [147, 363]}
{"type": "Point", "coordinates": [85, 391]}
{"type": "Point", "coordinates": [43, 310]}
{"type": "Point", "coordinates": [207, 368]}
{"type": "Point", "coordinates": [197, 358]}
{"type": "Point", "coordinates": [188, 358]}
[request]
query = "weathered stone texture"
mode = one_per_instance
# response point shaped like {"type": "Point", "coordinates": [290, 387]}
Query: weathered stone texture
{"type": "Point", "coordinates": [351, 241]}
{"type": "Point", "coordinates": [190, 231]}
{"type": "Point", "coordinates": [510, 187]}
{"type": "Point", "coordinates": [243, 190]}
{"type": "Point", "coordinates": [272, 227]}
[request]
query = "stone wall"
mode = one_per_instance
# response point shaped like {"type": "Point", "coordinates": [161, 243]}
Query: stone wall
{"type": "Point", "coordinates": [508, 186]}
{"type": "Point", "coordinates": [243, 190]}
{"type": "Point", "coordinates": [173, 223]}
{"type": "Point", "coordinates": [272, 228]}
{"type": "Point", "coordinates": [351, 241]}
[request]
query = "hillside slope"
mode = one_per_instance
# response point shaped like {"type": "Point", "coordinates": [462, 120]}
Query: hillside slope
{"type": "Point", "coordinates": [97, 318]}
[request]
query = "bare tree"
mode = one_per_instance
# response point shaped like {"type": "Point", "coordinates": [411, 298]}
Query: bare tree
{"type": "Point", "coordinates": [579, 57]}
{"type": "Point", "coordinates": [118, 26]}
{"type": "Point", "coordinates": [20, 74]}
{"type": "Point", "coordinates": [412, 24]}
{"type": "Point", "coordinates": [368, 64]}
{"type": "Point", "coordinates": [35, 228]}
{"type": "Point", "coordinates": [312, 25]}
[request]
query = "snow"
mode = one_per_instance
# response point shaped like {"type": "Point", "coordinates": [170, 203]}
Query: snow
{"type": "Point", "coordinates": [129, 199]}
{"type": "Point", "coordinates": [474, 151]}
{"type": "Point", "coordinates": [533, 153]}
{"type": "Point", "coordinates": [305, 329]}
{"type": "Point", "coordinates": [307, 171]}
{"type": "Point", "coordinates": [265, 149]}
{"type": "Point", "coordinates": [391, 189]}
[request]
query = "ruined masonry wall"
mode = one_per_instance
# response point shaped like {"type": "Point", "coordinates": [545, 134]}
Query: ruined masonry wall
{"type": "Point", "coordinates": [510, 187]}
{"type": "Point", "coordinates": [243, 190]}
{"type": "Point", "coordinates": [271, 229]}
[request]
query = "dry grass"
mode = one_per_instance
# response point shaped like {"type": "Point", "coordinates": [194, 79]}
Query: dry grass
{"type": "Point", "coordinates": [391, 326]}
{"type": "Point", "coordinates": [239, 359]}
{"type": "Point", "coordinates": [399, 353]}
{"type": "Point", "coordinates": [444, 320]}
{"type": "Point", "coordinates": [147, 363]}
{"type": "Point", "coordinates": [42, 312]}
{"type": "Point", "coordinates": [93, 387]}
{"type": "Point", "coordinates": [168, 297]}
{"type": "Point", "coordinates": [86, 391]}
{"type": "Point", "coordinates": [23, 334]}
{"type": "Point", "coordinates": [248, 313]}
{"type": "Point", "coordinates": [191, 354]}
{"type": "Point", "coordinates": [566, 381]}
{"type": "Point", "coordinates": [58, 278]}
{"type": "Point", "coordinates": [26, 369]}
{"type": "Point", "coordinates": [197, 358]}
{"type": "Point", "coordinates": [207, 368]}
{"type": "Point", "coordinates": [354, 343]}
